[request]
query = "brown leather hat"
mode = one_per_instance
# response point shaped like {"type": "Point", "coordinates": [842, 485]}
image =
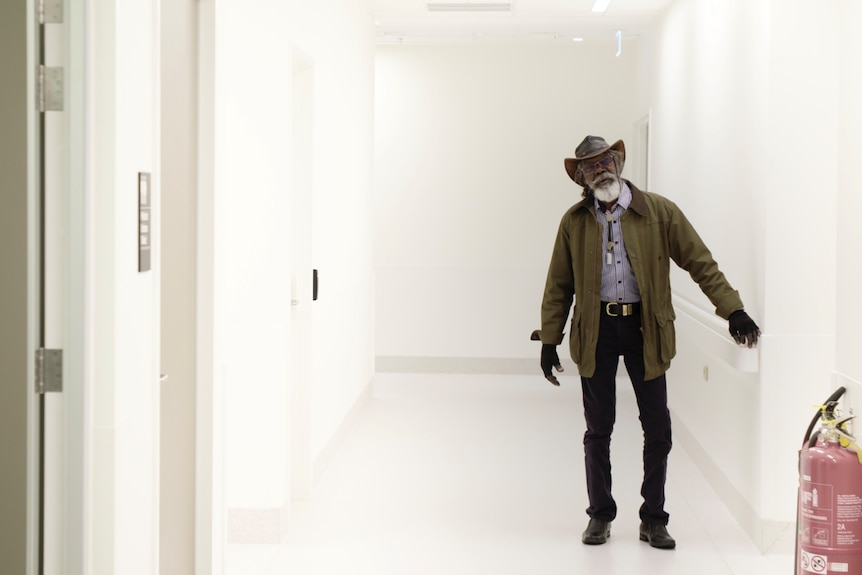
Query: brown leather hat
{"type": "Point", "coordinates": [591, 147]}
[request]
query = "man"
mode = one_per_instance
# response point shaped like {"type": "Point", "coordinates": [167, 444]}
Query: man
{"type": "Point", "coordinates": [612, 256]}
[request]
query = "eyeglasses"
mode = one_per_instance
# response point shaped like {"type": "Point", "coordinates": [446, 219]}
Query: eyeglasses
{"type": "Point", "coordinates": [606, 162]}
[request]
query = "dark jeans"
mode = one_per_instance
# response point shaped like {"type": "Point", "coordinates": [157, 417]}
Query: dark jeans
{"type": "Point", "coordinates": [621, 336]}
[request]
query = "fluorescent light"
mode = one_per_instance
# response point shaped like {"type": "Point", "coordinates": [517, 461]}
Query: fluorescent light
{"type": "Point", "coordinates": [468, 7]}
{"type": "Point", "coordinates": [601, 5]}
{"type": "Point", "coordinates": [578, 39]}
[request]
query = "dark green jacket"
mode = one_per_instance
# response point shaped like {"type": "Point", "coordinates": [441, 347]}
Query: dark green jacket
{"type": "Point", "coordinates": [656, 232]}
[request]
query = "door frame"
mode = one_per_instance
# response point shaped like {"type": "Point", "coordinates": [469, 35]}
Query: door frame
{"type": "Point", "coordinates": [20, 286]}
{"type": "Point", "coordinates": [209, 401]}
{"type": "Point", "coordinates": [65, 321]}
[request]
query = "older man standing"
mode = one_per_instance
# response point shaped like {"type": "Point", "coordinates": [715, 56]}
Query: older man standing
{"type": "Point", "coordinates": [612, 258]}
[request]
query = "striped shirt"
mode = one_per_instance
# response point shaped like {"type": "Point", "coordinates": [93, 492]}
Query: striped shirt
{"type": "Point", "coordinates": [618, 279]}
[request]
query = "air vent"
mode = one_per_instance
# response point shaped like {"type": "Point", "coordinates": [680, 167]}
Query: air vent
{"type": "Point", "coordinates": [469, 7]}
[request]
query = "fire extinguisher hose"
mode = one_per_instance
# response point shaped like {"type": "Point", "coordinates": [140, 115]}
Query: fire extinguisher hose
{"type": "Point", "coordinates": [832, 398]}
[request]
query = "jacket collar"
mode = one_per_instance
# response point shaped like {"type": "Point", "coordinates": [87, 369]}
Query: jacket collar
{"type": "Point", "coordinates": [638, 204]}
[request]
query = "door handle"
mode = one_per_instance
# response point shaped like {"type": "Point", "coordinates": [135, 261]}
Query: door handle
{"type": "Point", "coordinates": [163, 378]}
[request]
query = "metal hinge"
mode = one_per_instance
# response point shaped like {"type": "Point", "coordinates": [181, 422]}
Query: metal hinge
{"type": "Point", "coordinates": [50, 11]}
{"type": "Point", "coordinates": [49, 370]}
{"type": "Point", "coordinates": [50, 89]}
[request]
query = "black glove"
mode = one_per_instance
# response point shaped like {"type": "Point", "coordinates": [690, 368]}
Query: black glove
{"type": "Point", "coordinates": [549, 360]}
{"type": "Point", "coordinates": [743, 329]}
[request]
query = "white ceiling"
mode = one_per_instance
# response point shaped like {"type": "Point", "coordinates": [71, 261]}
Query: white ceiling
{"type": "Point", "coordinates": [410, 21]}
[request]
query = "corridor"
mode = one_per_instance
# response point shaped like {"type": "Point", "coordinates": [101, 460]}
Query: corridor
{"type": "Point", "coordinates": [458, 474]}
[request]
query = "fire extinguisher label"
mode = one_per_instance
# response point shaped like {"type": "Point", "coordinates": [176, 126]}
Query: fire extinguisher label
{"type": "Point", "coordinates": [814, 563]}
{"type": "Point", "coordinates": [849, 512]}
{"type": "Point", "coordinates": [817, 513]}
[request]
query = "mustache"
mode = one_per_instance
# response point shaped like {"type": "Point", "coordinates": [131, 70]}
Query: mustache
{"type": "Point", "coordinates": [603, 179]}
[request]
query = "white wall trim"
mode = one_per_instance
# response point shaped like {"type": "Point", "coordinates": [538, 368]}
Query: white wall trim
{"type": "Point", "coordinates": [483, 365]}
{"type": "Point", "coordinates": [721, 345]}
{"type": "Point", "coordinates": [468, 365]}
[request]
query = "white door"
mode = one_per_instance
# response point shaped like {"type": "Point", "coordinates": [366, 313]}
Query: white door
{"type": "Point", "coordinates": [303, 278]}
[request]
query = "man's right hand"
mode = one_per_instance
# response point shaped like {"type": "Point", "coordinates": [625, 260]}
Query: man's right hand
{"type": "Point", "coordinates": [549, 361]}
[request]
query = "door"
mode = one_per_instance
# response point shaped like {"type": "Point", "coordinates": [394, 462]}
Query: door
{"type": "Point", "coordinates": [303, 279]}
{"type": "Point", "coordinates": [18, 405]}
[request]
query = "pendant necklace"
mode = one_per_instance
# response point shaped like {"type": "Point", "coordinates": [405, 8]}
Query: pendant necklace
{"type": "Point", "coordinates": [610, 255]}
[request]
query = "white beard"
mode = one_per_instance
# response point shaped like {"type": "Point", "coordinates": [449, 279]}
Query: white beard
{"type": "Point", "coordinates": [608, 191]}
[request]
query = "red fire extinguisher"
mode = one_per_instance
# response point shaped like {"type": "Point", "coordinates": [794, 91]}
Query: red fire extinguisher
{"type": "Point", "coordinates": [829, 520]}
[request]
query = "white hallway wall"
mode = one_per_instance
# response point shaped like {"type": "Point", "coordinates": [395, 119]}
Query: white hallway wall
{"type": "Point", "coordinates": [470, 187]}
{"type": "Point", "coordinates": [849, 270]}
{"type": "Point", "coordinates": [739, 100]}
{"type": "Point", "coordinates": [708, 87]}
{"type": "Point", "coordinates": [245, 236]}
{"type": "Point", "coordinates": [249, 191]}
{"type": "Point", "coordinates": [121, 305]}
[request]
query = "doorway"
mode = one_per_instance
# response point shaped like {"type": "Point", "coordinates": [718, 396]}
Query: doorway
{"type": "Point", "coordinates": [303, 281]}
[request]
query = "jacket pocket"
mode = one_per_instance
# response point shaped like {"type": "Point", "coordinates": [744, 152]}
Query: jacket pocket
{"type": "Point", "coordinates": [666, 333]}
{"type": "Point", "coordinates": [575, 336]}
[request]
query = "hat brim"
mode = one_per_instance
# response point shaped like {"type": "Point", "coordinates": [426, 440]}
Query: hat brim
{"type": "Point", "coordinates": [573, 163]}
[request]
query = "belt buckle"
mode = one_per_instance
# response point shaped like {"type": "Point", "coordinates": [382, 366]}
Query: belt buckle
{"type": "Point", "coordinates": [608, 309]}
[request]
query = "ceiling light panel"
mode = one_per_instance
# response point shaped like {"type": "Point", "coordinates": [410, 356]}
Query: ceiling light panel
{"type": "Point", "coordinates": [601, 5]}
{"type": "Point", "coordinates": [469, 6]}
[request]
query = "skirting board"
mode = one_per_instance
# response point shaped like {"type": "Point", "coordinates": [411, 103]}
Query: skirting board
{"type": "Point", "coordinates": [254, 526]}
{"type": "Point", "coordinates": [467, 365]}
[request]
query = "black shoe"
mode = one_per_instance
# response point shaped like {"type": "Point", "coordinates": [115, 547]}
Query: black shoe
{"type": "Point", "coordinates": [597, 532]}
{"type": "Point", "coordinates": [657, 536]}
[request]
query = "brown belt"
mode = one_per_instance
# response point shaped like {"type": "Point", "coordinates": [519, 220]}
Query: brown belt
{"type": "Point", "coordinates": [614, 309]}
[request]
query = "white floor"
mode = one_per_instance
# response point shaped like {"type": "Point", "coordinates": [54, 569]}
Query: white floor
{"type": "Point", "coordinates": [453, 474]}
